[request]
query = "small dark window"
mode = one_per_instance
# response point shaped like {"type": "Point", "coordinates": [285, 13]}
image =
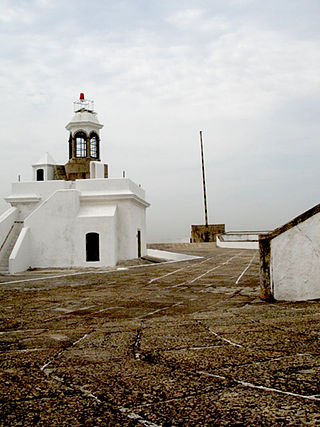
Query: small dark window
{"type": "Point", "coordinates": [92, 247]}
{"type": "Point", "coordinates": [94, 146]}
{"type": "Point", "coordinates": [40, 175]}
{"type": "Point", "coordinates": [81, 144]}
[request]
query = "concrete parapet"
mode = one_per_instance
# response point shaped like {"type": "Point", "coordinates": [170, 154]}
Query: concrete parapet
{"type": "Point", "coordinates": [289, 259]}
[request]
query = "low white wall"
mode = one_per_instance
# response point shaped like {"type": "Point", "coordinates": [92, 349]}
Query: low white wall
{"type": "Point", "coordinates": [7, 220]}
{"type": "Point", "coordinates": [20, 259]}
{"type": "Point", "coordinates": [156, 253]}
{"type": "Point", "coordinates": [294, 262]}
{"type": "Point", "coordinates": [42, 188]}
{"type": "Point", "coordinates": [28, 195]}
{"type": "Point", "coordinates": [110, 186]}
{"type": "Point", "coordinates": [236, 244]}
{"type": "Point", "coordinates": [246, 237]}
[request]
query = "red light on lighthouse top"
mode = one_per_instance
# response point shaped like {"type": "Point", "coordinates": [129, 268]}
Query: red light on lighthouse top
{"type": "Point", "coordinates": [82, 103]}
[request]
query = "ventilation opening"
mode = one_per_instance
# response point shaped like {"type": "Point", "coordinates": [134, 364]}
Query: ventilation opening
{"type": "Point", "coordinates": [40, 175]}
{"type": "Point", "coordinates": [92, 247]}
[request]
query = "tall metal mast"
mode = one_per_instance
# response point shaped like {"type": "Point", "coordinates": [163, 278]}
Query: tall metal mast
{"type": "Point", "coordinates": [204, 183]}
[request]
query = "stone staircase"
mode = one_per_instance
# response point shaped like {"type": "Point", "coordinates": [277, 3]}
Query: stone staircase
{"type": "Point", "coordinates": [8, 245]}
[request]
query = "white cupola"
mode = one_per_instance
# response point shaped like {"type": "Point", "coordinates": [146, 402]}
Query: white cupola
{"type": "Point", "coordinates": [84, 131]}
{"type": "Point", "coordinates": [43, 169]}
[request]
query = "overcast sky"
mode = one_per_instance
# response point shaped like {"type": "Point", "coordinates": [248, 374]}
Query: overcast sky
{"type": "Point", "coordinates": [245, 72]}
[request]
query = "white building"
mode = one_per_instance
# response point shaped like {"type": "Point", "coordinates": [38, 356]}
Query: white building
{"type": "Point", "coordinates": [73, 215]}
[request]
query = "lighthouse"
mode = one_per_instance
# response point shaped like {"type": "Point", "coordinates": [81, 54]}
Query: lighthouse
{"type": "Point", "coordinates": [73, 214]}
{"type": "Point", "coordinates": [84, 141]}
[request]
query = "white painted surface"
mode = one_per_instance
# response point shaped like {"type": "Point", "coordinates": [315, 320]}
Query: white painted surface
{"type": "Point", "coordinates": [119, 187]}
{"type": "Point", "coordinates": [245, 237]}
{"type": "Point", "coordinates": [156, 253]}
{"type": "Point", "coordinates": [85, 121]}
{"type": "Point", "coordinates": [6, 222]}
{"type": "Point", "coordinates": [236, 244]}
{"type": "Point", "coordinates": [54, 245]}
{"type": "Point", "coordinates": [96, 170]}
{"type": "Point", "coordinates": [47, 163]}
{"type": "Point", "coordinates": [295, 262]}
{"type": "Point", "coordinates": [46, 159]}
{"type": "Point", "coordinates": [27, 196]}
{"type": "Point", "coordinates": [63, 244]}
{"type": "Point", "coordinates": [20, 258]}
{"type": "Point", "coordinates": [59, 214]}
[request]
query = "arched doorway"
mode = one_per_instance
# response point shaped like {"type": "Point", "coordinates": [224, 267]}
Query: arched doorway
{"type": "Point", "coordinates": [92, 247]}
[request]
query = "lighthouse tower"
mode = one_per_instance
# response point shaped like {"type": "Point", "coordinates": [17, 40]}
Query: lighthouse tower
{"type": "Point", "coordinates": [84, 141]}
{"type": "Point", "coordinates": [73, 215]}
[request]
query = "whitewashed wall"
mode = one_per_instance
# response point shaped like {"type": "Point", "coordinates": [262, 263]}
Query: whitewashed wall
{"type": "Point", "coordinates": [98, 218]}
{"type": "Point", "coordinates": [236, 244]}
{"type": "Point", "coordinates": [295, 262]}
{"type": "Point", "coordinates": [52, 229]}
{"type": "Point", "coordinates": [27, 196]}
{"type": "Point", "coordinates": [20, 258]}
{"type": "Point", "coordinates": [48, 172]}
{"type": "Point", "coordinates": [62, 213]}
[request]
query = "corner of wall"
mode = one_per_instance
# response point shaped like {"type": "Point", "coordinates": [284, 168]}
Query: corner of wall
{"type": "Point", "coordinates": [265, 284]}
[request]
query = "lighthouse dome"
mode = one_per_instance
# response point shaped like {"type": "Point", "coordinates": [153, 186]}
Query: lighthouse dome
{"type": "Point", "coordinates": [84, 118]}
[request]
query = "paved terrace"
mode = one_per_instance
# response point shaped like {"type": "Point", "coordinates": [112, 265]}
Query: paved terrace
{"type": "Point", "coordinates": [187, 343]}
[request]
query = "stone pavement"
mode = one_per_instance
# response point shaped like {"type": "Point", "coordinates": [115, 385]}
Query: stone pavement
{"type": "Point", "coordinates": [173, 344]}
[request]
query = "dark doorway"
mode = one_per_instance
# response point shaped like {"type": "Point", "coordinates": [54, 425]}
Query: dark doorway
{"type": "Point", "coordinates": [40, 175]}
{"type": "Point", "coordinates": [92, 247]}
{"type": "Point", "coordinates": [139, 243]}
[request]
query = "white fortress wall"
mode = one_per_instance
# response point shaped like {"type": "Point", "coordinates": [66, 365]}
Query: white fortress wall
{"type": "Point", "coordinates": [236, 244]}
{"type": "Point", "coordinates": [52, 230]}
{"type": "Point", "coordinates": [98, 218]}
{"type": "Point", "coordinates": [241, 236]}
{"type": "Point", "coordinates": [295, 262]}
{"type": "Point", "coordinates": [131, 213]}
{"type": "Point", "coordinates": [131, 219]}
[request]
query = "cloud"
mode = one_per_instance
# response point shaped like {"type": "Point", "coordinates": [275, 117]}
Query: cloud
{"type": "Point", "coordinates": [11, 13]}
{"type": "Point", "coordinates": [156, 81]}
{"type": "Point", "coordinates": [198, 21]}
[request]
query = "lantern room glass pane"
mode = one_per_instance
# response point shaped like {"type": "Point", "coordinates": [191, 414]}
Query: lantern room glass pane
{"type": "Point", "coordinates": [94, 147]}
{"type": "Point", "coordinates": [81, 145]}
